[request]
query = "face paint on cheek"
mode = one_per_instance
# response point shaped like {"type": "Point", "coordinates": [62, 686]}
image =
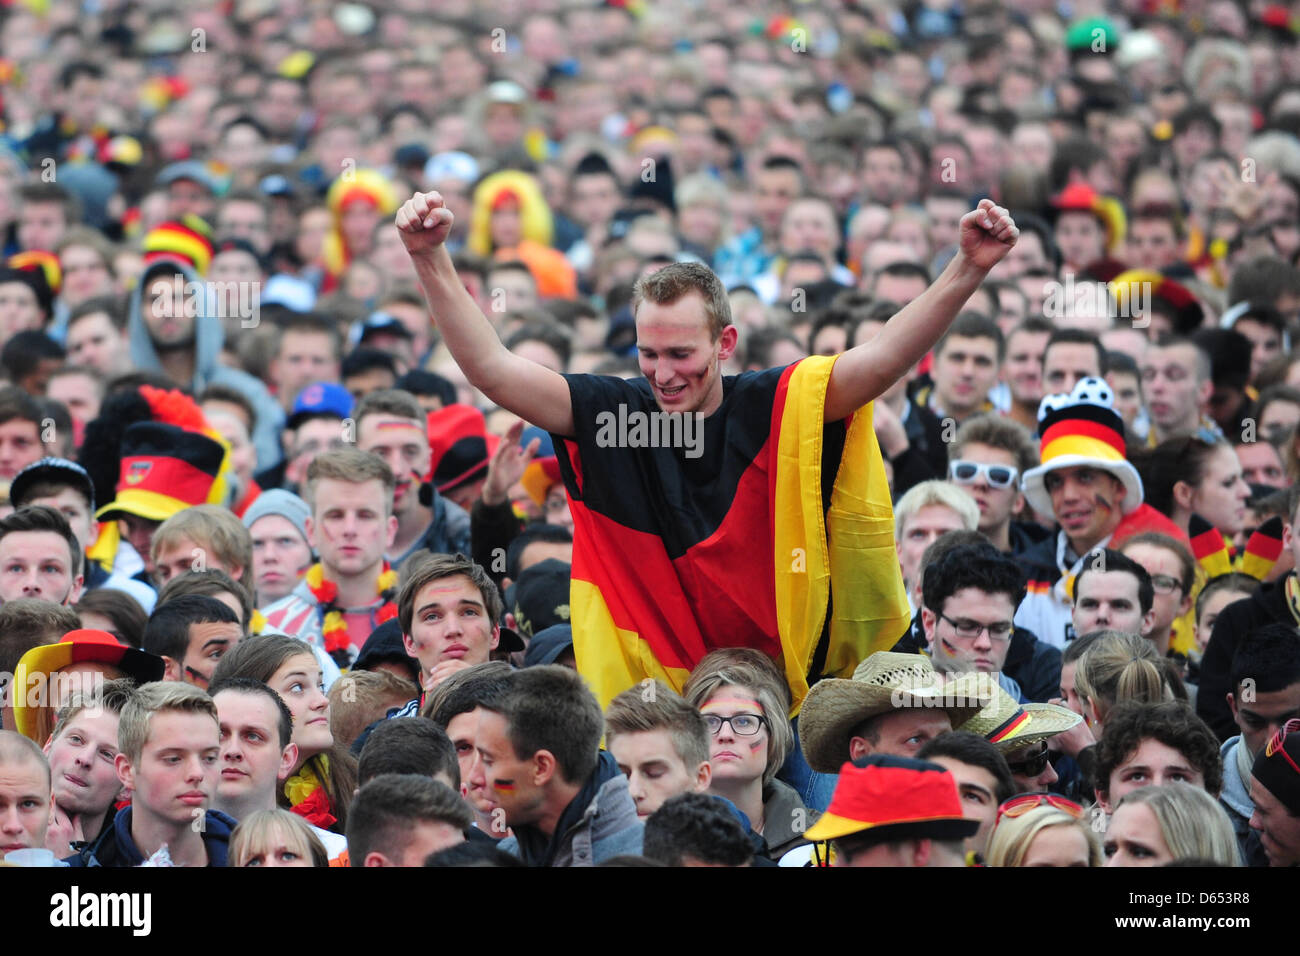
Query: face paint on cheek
{"type": "Point", "coordinates": [503, 786]}
{"type": "Point", "coordinates": [1103, 504]}
{"type": "Point", "coordinates": [757, 745]}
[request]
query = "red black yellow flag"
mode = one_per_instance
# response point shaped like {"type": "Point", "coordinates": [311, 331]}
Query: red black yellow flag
{"type": "Point", "coordinates": [738, 535]}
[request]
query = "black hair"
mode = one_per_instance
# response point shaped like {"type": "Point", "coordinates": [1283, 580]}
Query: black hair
{"type": "Point", "coordinates": [1108, 559]}
{"type": "Point", "coordinates": [699, 827]}
{"type": "Point", "coordinates": [973, 749]}
{"type": "Point", "coordinates": [479, 686]}
{"type": "Point", "coordinates": [168, 632]}
{"type": "Point", "coordinates": [418, 381]}
{"type": "Point", "coordinates": [408, 745]}
{"type": "Point", "coordinates": [550, 708]}
{"type": "Point", "coordinates": [363, 360]}
{"type": "Point", "coordinates": [1269, 655]}
{"type": "Point", "coordinates": [549, 533]}
{"type": "Point", "coordinates": [246, 685]}
{"type": "Point", "coordinates": [44, 518]}
{"type": "Point", "coordinates": [22, 354]}
{"type": "Point", "coordinates": [386, 809]}
{"type": "Point", "coordinates": [474, 853]}
{"type": "Point", "coordinates": [1171, 722]}
{"type": "Point", "coordinates": [979, 566]}
{"type": "Point", "coordinates": [973, 325]}
{"type": "Point", "coordinates": [1079, 337]}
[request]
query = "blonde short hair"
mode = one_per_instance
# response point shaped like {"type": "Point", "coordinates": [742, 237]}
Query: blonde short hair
{"type": "Point", "coordinates": [935, 492]}
{"type": "Point", "coordinates": [154, 698]}
{"type": "Point", "coordinates": [214, 529]}
{"type": "Point", "coordinates": [351, 465]}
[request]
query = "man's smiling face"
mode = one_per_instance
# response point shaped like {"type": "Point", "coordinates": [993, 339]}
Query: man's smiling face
{"type": "Point", "coordinates": [679, 357]}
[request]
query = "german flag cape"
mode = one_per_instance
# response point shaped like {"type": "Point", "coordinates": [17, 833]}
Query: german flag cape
{"type": "Point", "coordinates": [736, 539]}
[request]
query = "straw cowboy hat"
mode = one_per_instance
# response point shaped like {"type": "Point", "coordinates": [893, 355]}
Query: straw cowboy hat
{"type": "Point", "coordinates": [1010, 725]}
{"type": "Point", "coordinates": [882, 683]}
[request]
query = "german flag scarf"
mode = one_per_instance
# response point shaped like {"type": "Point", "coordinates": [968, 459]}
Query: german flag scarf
{"type": "Point", "coordinates": [738, 541]}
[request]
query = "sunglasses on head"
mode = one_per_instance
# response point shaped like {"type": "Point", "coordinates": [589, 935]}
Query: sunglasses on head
{"type": "Point", "coordinates": [1275, 742]}
{"type": "Point", "coordinates": [1019, 806]}
{"type": "Point", "coordinates": [967, 472]}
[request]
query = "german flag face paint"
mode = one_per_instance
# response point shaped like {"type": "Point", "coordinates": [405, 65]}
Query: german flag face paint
{"type": "Point", "coordinates": [503, 786]}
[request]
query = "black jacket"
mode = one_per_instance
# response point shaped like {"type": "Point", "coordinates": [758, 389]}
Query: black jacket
{"type": "Point", "coordinates": [115, 847]}
{"type": "Point", "coordinates": [1265, 606]}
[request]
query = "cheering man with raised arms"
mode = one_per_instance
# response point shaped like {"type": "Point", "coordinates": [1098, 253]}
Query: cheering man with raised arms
{"type": "Point", "coordinates": [678, 551]}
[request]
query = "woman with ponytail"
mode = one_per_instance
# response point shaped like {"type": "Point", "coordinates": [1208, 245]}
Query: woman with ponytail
{"type": "Point", "coordinates": [1120, 667]}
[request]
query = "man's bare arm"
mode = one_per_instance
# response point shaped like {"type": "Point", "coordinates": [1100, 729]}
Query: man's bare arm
{"type": "Point", "coordinates": [867, 370]}
{"type": "Point", "coordinates": [531, 391]}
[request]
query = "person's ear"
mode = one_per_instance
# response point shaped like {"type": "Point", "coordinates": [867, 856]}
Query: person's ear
{"type": "Point", "coordinates": [496, 637]}
{"type": "Point", "coordinates": [171, 669]}
{"type": "Point", "coordinates": [727, 342]}
{"type": "Point", "coordinates": [1229, 696]}
{"type": "Point", "coordinates": [288, 760]}
{"type": "Point", "coordinates": [124, 772]}
{"type": "Point", "coordinates": [858, 747]}
{"type": "Point", "coordinates": [1018, 503]}
{"type": "Point", "coordinates": [74, 594]}
{"type": "Point", "coordinates": [309, 525]}
{"type": "Point", "coordinates": [1148, 621]}
{"type": "Point", "coordinates": [392, 531]}
{"type": "Point", "coordinates": [928, 621]}
{"type": "Point", "coordinates": [703, 776]}
{"type": "Point", "coordinates": [545, 767]}
{"type": "Point", "coordinates": [1183, 493]}
{"type": "Point", "coordinates": [1203, 392]}
{"type": "Point", "coordinates": [1184, 605]}
{"type": "Point", "coordinates": [375, 858]}
{"type": "Point", "coordinates": [1103, 801]}
{"type": "Point", "coordinates": [922, 850]}
{"type": "Point", "coordinates": [1092, 714]}
{"type": "Point", "coordinates": [408, 643]}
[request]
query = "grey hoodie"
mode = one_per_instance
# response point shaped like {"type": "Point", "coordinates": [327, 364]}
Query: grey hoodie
{"type": "Point", "coordinates": [208, 370]}
{"type": "Point", "coordinates": [1235, 796]}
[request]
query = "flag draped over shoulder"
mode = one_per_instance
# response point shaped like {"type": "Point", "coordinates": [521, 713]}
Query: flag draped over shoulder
{"type": "Point", "coordinates": [739, 539]}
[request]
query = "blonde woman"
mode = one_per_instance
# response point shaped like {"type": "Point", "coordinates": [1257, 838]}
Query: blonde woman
{"type": "Point", "coordinates": [1177, 821]}
{"type": "Point", "coordinates": [275, 838]}
{"type": "Point", "coordinates": [1043, 830]}
{"type": "Point", "coordinates": [1119, 667]}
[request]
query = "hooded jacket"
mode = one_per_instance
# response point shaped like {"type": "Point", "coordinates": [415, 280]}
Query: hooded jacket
{"type": "Point", "coordinates": [1235, 795]}
{"type": "Point", "coordinates": [599, 823]}
{"type": "Point", "coordinates": [115, 847]}
{"type": "Point", "coordinates": [209, 338]}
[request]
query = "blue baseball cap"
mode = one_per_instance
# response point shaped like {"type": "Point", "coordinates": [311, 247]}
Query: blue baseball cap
{"type": "Point", "coordinates": [320, 398]}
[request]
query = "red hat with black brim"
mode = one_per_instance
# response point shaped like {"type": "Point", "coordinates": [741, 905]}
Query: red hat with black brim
{"type": "Point", "coordinates": [164, 470]}
{"type": "Point", "coordinates": [892, 798]}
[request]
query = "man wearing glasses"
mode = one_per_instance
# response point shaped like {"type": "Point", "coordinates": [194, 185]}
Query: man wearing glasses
{"type": "Point", "coordinates": [988, 457]}
{"type": "Point", "coordinates": [969, 601]}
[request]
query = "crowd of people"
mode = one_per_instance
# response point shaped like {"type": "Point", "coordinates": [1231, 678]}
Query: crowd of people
{"type": "Point", "coordinates": [574, 433]}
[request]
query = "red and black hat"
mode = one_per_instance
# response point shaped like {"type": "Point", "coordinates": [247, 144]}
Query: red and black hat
{"type": "Point", "coordinates": [460, 446]}
{"type": "Point", "coordinates": [896, 798]}
{"type": "Point", "coordinates": [164, 470]}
